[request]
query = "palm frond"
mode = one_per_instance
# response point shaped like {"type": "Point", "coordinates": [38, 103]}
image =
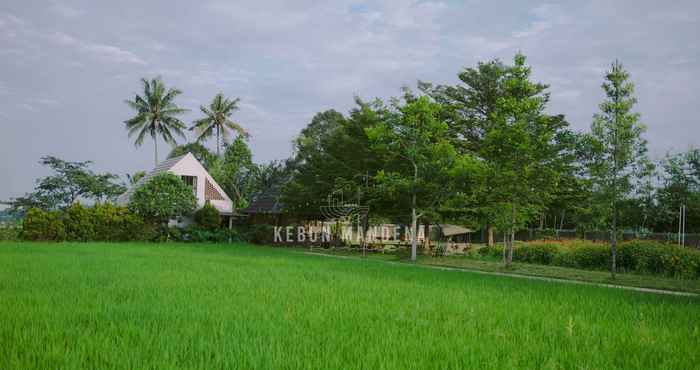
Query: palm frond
{"type": "Point", "coordinates": [235, 127]}
{"type": "Point", "coordinates": [142, 135]}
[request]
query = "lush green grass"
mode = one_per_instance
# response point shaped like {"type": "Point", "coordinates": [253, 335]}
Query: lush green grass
{"type": "Point", "coordinates": [547, 271]}
{"type": "Point", "coordinates": [206, 306]}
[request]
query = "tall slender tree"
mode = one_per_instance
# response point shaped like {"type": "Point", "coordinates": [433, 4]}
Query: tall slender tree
{"type": "Point", "coordinates": [156, 114]}
{"type": "Point", "coordinates": [619, 151]}
{"type": "Point", "coordinates": [217, 121]}
{"type": "Point", "coordinates": [499, 115]}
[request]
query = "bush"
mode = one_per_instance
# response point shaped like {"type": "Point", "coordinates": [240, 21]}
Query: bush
{"type": "Point", "coordinates": [208, 217]}
{"type": "Point", "coordinates": [10, 231]}
{"type": "Point", "coordinates": [195, 234]}
{"type": "Point", "coordinates": [588, 256]}
{"type": "Point", "coordinates": [258, 233]}
{"type": "Point", "coordinates": [113, 223]}
{"type": "Point", "coordinates": [79, 223]}
{"type": "Point", "coordinates": [646, 257]}
{"type": "Point", "coordinates": [40, 225]}
{"type": "Point", "coordinates": [541, 253]}
{"type": "Point", "coordinates": [495, 251]}
{"type": "Point", "coordinates": [660, 259]}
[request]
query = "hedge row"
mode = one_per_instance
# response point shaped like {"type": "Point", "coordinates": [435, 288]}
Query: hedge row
{"type": "Point", "coordinates": [103, 222]}
{"type": "Point", "coordinates": [634, 256]}
{"type": "Point", "coordinates": [257, 234]}
{"type": "Point", "coordinates": [109, 223]}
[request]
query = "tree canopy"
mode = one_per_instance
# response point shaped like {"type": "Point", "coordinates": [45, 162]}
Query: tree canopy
{"type": "Point", "coordinates": [70, 182]}
{"type": "Point", "coordinates": [164, 197]}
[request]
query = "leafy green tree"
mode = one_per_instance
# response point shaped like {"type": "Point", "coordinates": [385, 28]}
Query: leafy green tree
{"type": "Point", "coordinates": [416, 143]}
{"type": "Point", "coordinates": [235, 172]}
{"type": "Point", "coordinates": [156, 114]}
{"type": "Point", "coordinates": [164, 197]}
{"type": "Point", "coordinates": [679, 185]}
{"type": "Point", "coordinates": [69, 182]}
{"type": "Point", "coordinates": [498, 115]}
{"type": "Point", "coordinates": [521, 148]}
{"type": "Point", "coordinates": [314, 166]}
{"type": "Point", "coordinates": [199, 151]}
{"type": "Point", "coordinates": [217, 121]}
{"type": "Point", "coordinates": [334, 158]}
{"type": "Point", "coordinates": [619, 151]}
{"type": "Point", "coordinates": [102, 187]}
{"type": "Point", "coordinates": [272, 175]}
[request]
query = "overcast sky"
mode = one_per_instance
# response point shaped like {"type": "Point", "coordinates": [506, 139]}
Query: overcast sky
{"type": "Point", "coordinates": [67, 66]}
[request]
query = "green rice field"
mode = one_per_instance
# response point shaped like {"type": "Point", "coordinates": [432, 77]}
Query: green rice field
{"type": "Point", "coordinates": [140, 306]}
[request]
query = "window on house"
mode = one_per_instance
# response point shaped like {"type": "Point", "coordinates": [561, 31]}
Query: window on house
{"type": "Point", "coordinates": [190, 181]}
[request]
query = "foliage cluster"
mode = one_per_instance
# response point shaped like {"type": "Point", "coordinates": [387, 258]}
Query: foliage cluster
{"type": "Point", "coordinates": [70, 182]}
{"type": "Point", "coordinates": [163, 198]}
{"type": "Point", "coordinates": [207, 217]}
{"type": "Point", "coordinates": [102, 222]}
{"type": "Point", "coordinates": [256, 234]}
{"type": "Point", "coordinates": [10, 231]}
{"type": "Point", "coordinates": [40, 225]}
{"type": "Point", "coordinates": [197, 234]}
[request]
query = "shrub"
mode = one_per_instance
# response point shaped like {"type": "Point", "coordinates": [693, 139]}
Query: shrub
{"type": "Point", "coordinates": [638, 256]}
{"type": "Point", "coordinates": [495, 251]}
{"type": "Point", "coordinates": [79, 223]}
{"type": "Point", "coordinates": [660, 259]}
{"type": "Point", "coordinates": [585, 256]}
{"type": "Point", "coordinates": [10, 231]}
{"type": "Point", "coordinates": [541, 253]}
{"type": "Point", "coordinates": [258, 233]}
{"type": "Point", "coordinates": [113, 223]}
{"type": "Point", "coordinates": [208, 217]}
{"type": "Point", "coordinates": [197, 234]}
{"type": "Point", "coordinates": [42, 225]}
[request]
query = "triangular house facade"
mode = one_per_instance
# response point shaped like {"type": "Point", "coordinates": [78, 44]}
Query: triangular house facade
{"type": "Point", "coordinates": [196, 176]}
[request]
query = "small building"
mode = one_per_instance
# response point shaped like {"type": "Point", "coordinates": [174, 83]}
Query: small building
{"type": "Point", "coordinates": [266, 208]}
{"type": "Point", "coordinates": [196, 176]}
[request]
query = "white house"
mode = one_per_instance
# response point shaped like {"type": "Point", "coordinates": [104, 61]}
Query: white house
{"type": "Point", "coordinates": [196, 176]}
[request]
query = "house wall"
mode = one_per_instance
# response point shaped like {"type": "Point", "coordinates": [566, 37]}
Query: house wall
{"type": "Point", "coordinates": [189, 166]}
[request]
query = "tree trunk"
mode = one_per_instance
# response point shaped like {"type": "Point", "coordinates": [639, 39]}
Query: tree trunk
{"type": "Point", "coordinates": [218, 143]}
{"type": "Point", "coordinates": [542, 221]}
{"type": "Point", "coordinates": [511, 238]}
{"type": "Point", "coordinates": [613, 244]}
{"type": "Point", "coordinates": [155, 145]}
{"type": "Point", "coordinates": [414, 216]}
{"type": "Point", "coordinates": [414, 230]}
{"type": "Point", "coordinates": [489, 231]}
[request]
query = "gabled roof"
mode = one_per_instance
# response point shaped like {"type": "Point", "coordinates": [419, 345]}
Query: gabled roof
{"type": "Point", "coordinates": [162, 167]}
{"type": "Point", "coordinates": [268, 202]}
{"type": "Point", "coordinates": [452, 230]}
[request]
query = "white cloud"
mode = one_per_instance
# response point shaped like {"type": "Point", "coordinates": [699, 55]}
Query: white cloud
{"type": "Point", "coordinates": [103, 51]}
{"type": "Point", "coordinates": [46, 101]}
{"type": "Point", "coordinates": [65, 10]}
{"type": "Point", "coordinates": [547, 16]}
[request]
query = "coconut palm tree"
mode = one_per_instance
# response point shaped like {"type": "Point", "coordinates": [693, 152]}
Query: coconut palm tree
{"type": "Point", "coordinates": [217, 121]}
{"type": "Point", "coordinates": [156, 114]}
